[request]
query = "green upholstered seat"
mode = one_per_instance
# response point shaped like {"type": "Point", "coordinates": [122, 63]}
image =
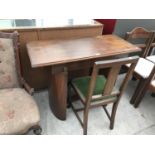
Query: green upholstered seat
{"type": "Point", "coordinates": [82, 84]}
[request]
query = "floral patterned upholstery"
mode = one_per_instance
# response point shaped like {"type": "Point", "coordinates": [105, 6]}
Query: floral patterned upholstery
{"type": "Point", "coordinates": [18, 111]}
{"type": "Point", "coordinates": [8, 73]}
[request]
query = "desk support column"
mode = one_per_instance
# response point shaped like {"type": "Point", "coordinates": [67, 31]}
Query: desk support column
{"type": "Point", "coordinates": [58, 92]}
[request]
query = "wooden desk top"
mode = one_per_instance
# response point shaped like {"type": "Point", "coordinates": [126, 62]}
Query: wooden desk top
{"type": "Point", "coordinates": [53, 52]}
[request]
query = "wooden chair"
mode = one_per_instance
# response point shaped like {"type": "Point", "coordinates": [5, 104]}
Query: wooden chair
{"type": "Point", "coordinates": [142, 38]}
{"type": "Point", "coordinates": [143, 71]}
{"type": "Point", "coordinates": [96, 90]}
{"type": "Point", "coordinates": [18, 110]}
{"type": "Point", "coordinates": [148, 85]}
{"type": "Point", "coordinates": [151, 52]}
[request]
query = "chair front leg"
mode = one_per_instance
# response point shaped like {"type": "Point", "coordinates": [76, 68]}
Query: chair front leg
{"type": "Point", "coordinates": [85, 121]}
{"type": "Point", "coordinates": [113, 114]}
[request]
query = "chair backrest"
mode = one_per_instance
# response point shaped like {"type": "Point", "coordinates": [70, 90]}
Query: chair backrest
{"type": "Point", "coordinates": [152, 50]}
{"type": "Point", "coordinates": [114, 67]}
{"type": "Point", "coordinates": [142, 38]}
{"type": "Point", "coordinates": [9, 61]}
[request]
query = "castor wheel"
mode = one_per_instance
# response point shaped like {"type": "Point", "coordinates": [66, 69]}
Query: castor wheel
{"type": "Point", "coordinates": [37, 130]}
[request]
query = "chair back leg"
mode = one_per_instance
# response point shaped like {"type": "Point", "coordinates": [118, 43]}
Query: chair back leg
{"type": "Point", "coordinates": [137, 91]}
{"type": "Point", "coordinates": [140, 97]}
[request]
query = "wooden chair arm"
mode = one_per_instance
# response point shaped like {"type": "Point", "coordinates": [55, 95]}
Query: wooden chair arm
{"type": "Point", "coordinates": [27, 87]}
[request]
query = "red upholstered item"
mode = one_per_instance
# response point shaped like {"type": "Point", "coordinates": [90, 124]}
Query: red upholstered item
{"type": "Point", "coordinates": [109, 25]}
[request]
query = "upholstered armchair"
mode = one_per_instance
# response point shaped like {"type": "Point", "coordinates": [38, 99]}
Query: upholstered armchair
{"type": "Point", "coordinates": [18, 110]}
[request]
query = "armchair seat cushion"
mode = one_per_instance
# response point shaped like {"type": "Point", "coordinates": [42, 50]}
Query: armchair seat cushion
{"type": "Point", "coordinates": [83, 83]}
{"type": "Point", "coordinates": [18, 111]}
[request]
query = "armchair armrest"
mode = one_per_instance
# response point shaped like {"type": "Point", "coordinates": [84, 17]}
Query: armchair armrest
{"type": "Point", "coordinates": [27, 87]}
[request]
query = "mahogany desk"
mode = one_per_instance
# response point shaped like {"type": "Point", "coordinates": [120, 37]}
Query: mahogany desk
{"type": "Point", "coordinates": [47, 29]}
{"type": "Point", "coordinates": [68, 55]}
